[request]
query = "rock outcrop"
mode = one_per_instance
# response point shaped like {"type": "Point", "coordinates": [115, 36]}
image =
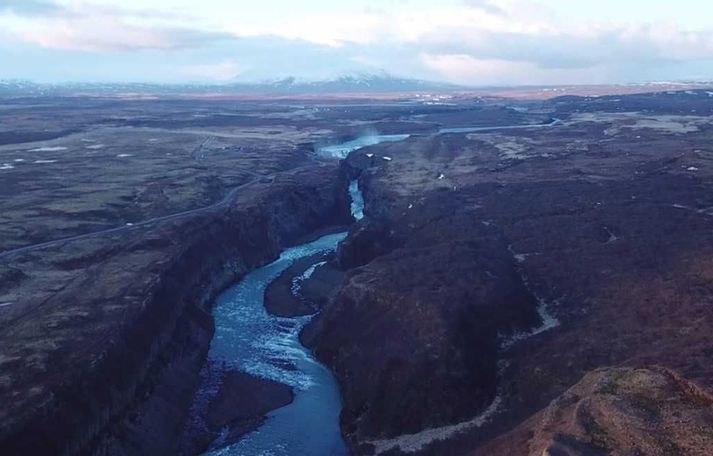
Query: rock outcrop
{"type": "Point", "coordinates": [617, 411]}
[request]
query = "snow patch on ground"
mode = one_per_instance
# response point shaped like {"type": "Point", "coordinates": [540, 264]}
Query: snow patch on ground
{"type": "Point", "coordinates": [705, 211]}
{"type": "Point", "coordinates": [49, 149]}
{"type": "Point", "coordinates": [612, 237]}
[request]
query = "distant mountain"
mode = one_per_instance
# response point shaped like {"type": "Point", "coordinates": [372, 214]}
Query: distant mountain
{"type": "Point", "coordinates": [357, 83]}
{"type": "Point", "coordinates": [354, 83]}
{"type": "Point", "coordinates": [361, 84]}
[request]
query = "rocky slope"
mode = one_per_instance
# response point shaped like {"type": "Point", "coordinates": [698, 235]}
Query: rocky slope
{"type": "Point", "coordinates": [134, 325]}
{"type": "Point", "coordinates": [617, 411]}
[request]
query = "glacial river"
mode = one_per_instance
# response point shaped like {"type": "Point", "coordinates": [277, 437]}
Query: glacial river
{"type": "Point", "coordinates": [251, 340]}
{"type": "Point", "coordinates": [248, 338]}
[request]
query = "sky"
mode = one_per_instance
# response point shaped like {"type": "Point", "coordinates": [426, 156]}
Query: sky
{"type": "Point", "coordinates": [468, 42]}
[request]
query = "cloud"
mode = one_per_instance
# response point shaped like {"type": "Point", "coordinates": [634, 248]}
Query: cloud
{"type": "Point", "coordinates": [487, 5]}
{"type": "Point", "coordinates": [469, 41]}
{"type": "Point", "coordinates": [108, 35]}
{"type": "Point", "coordinates": [510, 30]}
{"type": "Point", "coordinates": [92, 28]}
{"type": "Point", "coordinates": [467, 70]}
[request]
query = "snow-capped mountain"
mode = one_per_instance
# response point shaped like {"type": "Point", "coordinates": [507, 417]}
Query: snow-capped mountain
{"type": "Point", "coordinates": [356, 83]}
{"type": "Point", "coordinates": [364, 82]}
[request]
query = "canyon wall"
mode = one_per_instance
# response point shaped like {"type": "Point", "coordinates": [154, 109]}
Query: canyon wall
{"type": "Point", "coordinates": [116, 372]}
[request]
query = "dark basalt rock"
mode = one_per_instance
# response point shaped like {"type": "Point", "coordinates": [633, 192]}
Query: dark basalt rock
{"type": "Point", "coordinates": [366, 241]}
{"type": "Point", "coordinates": [239, 407]}
{"type": "Point", "coordinates": [323, 284]}
{"type": "Point", "coordinates": [427, 318]}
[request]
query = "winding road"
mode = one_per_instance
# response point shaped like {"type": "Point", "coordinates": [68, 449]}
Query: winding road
{"type": "Point", "coordinates": [222, 204]}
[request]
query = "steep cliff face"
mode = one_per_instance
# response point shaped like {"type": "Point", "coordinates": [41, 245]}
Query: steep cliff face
{"type": "Point", "coordinates": [429, 299]}
{"type": "Point", "coordinates": [430, 339]}
{"type": "Point", "coordinates": [119, 380]}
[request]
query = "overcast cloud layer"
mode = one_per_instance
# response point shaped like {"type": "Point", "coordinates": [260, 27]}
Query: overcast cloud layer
{"type": "Point", "coordinates": [473, 42]}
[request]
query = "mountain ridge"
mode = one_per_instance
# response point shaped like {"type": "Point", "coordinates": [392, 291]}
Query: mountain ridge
{"type": "Point", "coordinates": [348, 83]}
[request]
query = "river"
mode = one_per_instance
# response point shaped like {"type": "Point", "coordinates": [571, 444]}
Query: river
{"type": "Point", "coordinates": [249, 339]}
{"type": "Point", "coordinates": [342, 150]}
